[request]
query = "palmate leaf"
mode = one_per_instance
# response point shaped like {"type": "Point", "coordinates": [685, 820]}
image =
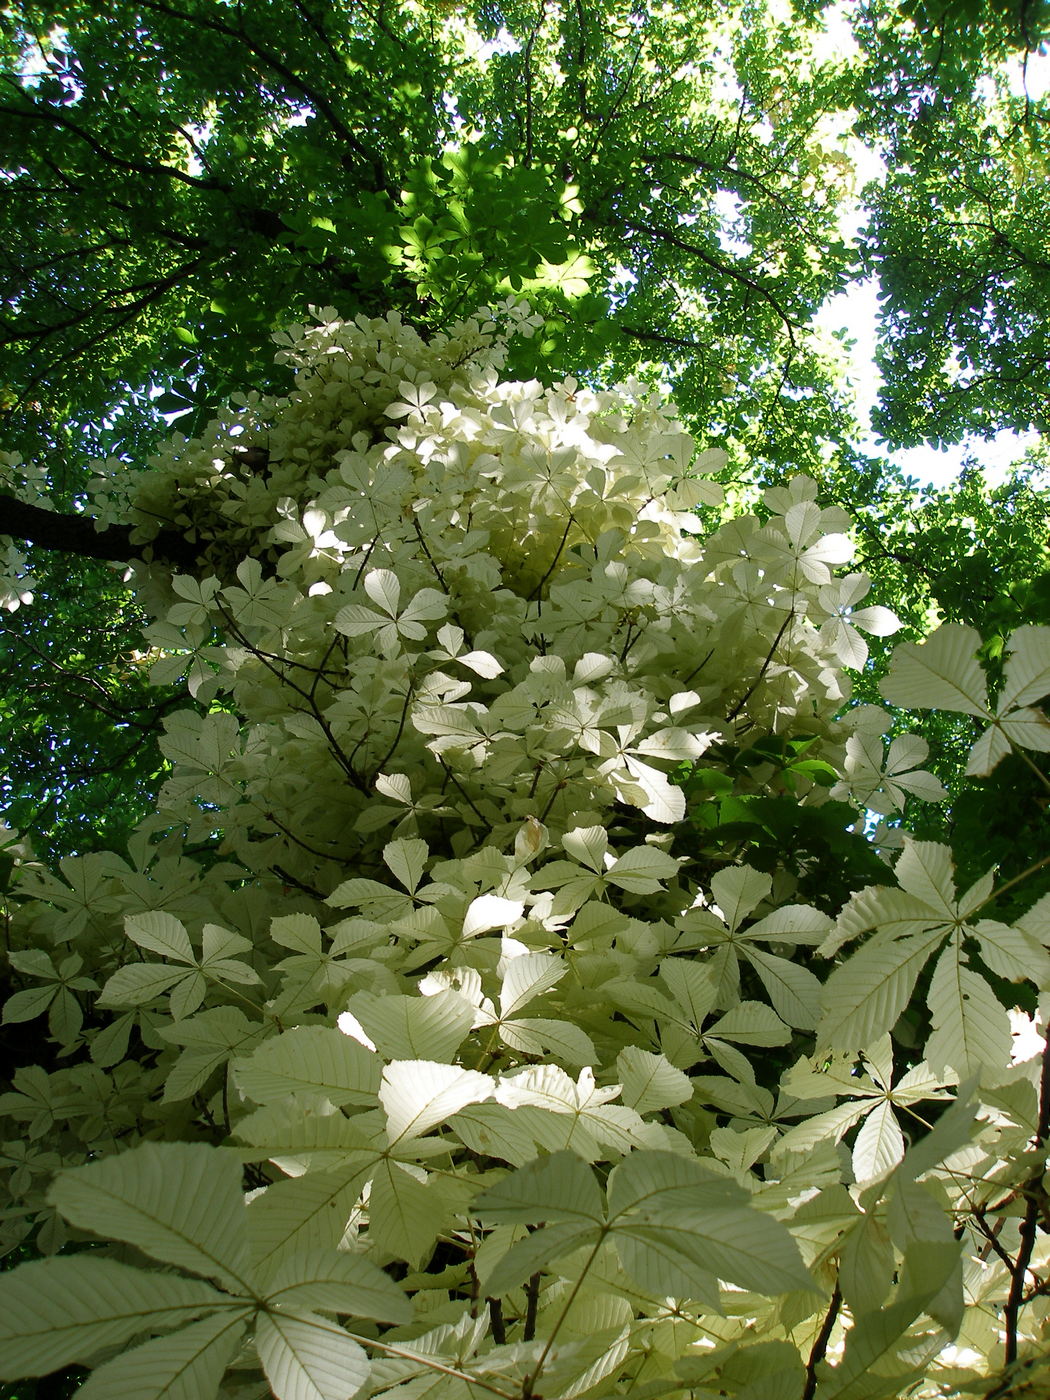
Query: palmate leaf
{"type": "Point", "coordinates": [182, 1203]}
{"type": "Point", "coordinates": [941, 672]}
{"type": "Point", "coordinates": [187, 1365]}
{"type": "Point", "coordinates": [971, 1029]}
{"type": "Point", "coordinates": [534, 1254]}
{"type": "Point", "coordinates": [650, 1081]}
{"type": "Point", "coordinates": [57, 1311]}
{"type": "Point", "coordinates": [405, 1215]}
{"type": "Point", "coordinates": [308, 1357]}
{"type": "Point", "coordinates": [414, 1028]}
{"type": "Point", "coordinates": [873, 1343]}
{"type": "Point", "coordinates": [707, 1219]}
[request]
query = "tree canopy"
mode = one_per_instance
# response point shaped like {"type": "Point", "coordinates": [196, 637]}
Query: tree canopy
{"type": "Point", "coordinates": [575, 861]}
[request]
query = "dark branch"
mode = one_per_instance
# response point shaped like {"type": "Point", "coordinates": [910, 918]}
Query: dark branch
{"type": "Point", "coordinates": [76, 534]}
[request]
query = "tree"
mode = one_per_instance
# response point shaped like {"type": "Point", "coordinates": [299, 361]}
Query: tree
{"type": "Point", "coordinates": [471, 652]}
{"type": "Point", "coordinates": [674, 192]}
{"type": "Point", "coordinates": [430, 946]}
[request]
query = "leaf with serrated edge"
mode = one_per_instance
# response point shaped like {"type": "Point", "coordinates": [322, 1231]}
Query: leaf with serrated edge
{"type": "Point", "coordinates": [54, 1312]}
{"type": "Point", "coordinates": [404, 1213]}
{"type": "Point", "coordinates": [187, 1365]}
{"type": "Point", "coordinates": [971, 1030]}
{"type": "Point", "coordinates": [534, 1254]}
{"type": "Point", "coordinates": [865, 996]}
{"type": "Point", "coordinates": [311, 1059]}
{"type": "Point", "coordinates": [879, 1144]}
{"type": "Point", "coordinates": [160, 933]}
{"type": "Point", "coordinates": [1026, 675]}
{"type": "Point", "coordinates": [335, 1281]}
{"type": "Point", "coordinates": [650, 1081]}
{"type": "Point", "coordinates": [555, 1188]}
{"type": "Point", "coordinates": [308, 1357]}
{"type": "Point", "coordinates": [941, 673]}
{"type": "Point", "coordinates": [180, 1202]}
{"type": "Point", "coordinates": [418, 1094]}
{"type": "Point", "coordinates": [424, 1028]}
{"type": "Point", "coordinates": [307, 1213]}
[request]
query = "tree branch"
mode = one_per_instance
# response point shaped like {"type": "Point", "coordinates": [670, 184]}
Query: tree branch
{"type": "Point", "coordinates": [76, 534]}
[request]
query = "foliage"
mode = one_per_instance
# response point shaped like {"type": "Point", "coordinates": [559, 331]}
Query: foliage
{"type": "Point", "coordinates": [439, 1035]}
{"type": "Point", "coordinates": [676, 191]}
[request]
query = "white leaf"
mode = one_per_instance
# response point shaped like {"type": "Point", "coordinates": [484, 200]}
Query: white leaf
{"type": "Point", "coordinates": [940, 673]}
{"type": "Point", "coordinates": [879, 1144]}
{"type": "Point", "coordinates": [482, 663]}
{"type": "Point", "coordinates": [971, 1030]}
{"type": "Point", "coordinates": [307, 1357]}
{"type": "Point", "coordinates": [491, 911]}
{"type": "Point", "coordinates": [1026, 676]}
{"type": "Point", "coordinates": [418, 1094]}
{"type": "Point", "coordinates": [864, 998]}
{"type": "Point", "coordinates": [526, 978]}
{"type": "Point", "coordinates": [588, 845]}
{"type": "Point", "coordinates": [738, 890]}
{"type": "Point", "coordinates": [384, 590]}
{"type": "Point", "coordinates": [54, 1312]}
{"type": "Point", "coordinates": [180, 1202]}
{"type": "Point", "coordinates": [642, 870]}
{"type": "Point", "coordinates": [650, 1081]}
{"type": "Point", "coordinates": [413, 1028]}
{"type": "Point", "coordinates": [651, 791]}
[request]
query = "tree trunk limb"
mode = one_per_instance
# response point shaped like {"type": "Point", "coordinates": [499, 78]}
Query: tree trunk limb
{"type": "Point", "coordinates": [76, 534]}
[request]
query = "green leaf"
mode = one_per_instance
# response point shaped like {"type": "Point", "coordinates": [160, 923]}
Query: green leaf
{"type": "Point", "coordinates": [971, 1030]}
{"type": "Point", "coordinates": [160, 933]}
{"type": "Point", "coordinates": [135, 984]}
{"type": "Point", "coordinates": [54, 1312]}
{"type": "Point", "coordinates": [188, 1365]}
{"type": "Point", "coordinates": [864, 998]}
{"type": "Point", "coordinates": [873, 1342]}
{"type": "Point", "coordinates": [308, 1213]}
{"type": "Point", "coordinates": [534, 1254]}
{"type": "Point", "coordinates": [337, 1282]}
{"type": "Point", "coordinates": [404, 1213]}
{"type": "Point", "coordinates": [556, 1188]}
{"type": "Point", "coordinates": [650, 1081]}
{"type": "Point", "coordinates": [418, 1027]}
{"type": "Point", "coordinates": [700, 1211]}
{"type": "Point", "coordinates": [179, 1202]}
{"type": "Point", "coordinates": [311, 1059]}
{"type": "Point", "coordinates": [307, 1357]}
